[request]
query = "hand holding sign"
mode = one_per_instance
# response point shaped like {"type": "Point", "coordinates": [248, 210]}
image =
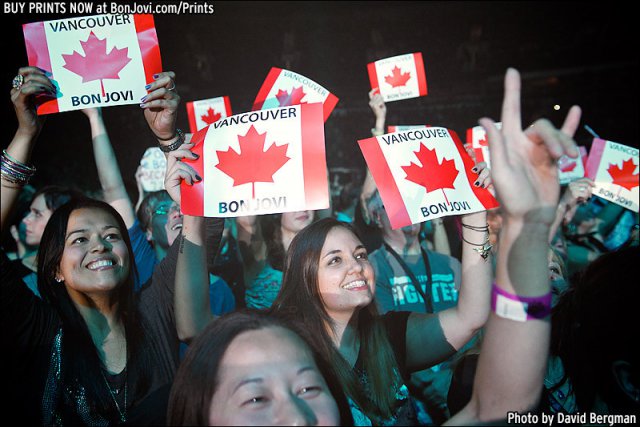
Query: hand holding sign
{"type": "Point", "coordinates": [35, 83]}
{"type": "Point", "coordinates": [161, 105]}
{"type": "Point", "coordinates": [524, 170]}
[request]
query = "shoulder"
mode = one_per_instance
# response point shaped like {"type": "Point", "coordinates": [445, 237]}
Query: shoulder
{"type": "Point", "coordinates": [394, 320]}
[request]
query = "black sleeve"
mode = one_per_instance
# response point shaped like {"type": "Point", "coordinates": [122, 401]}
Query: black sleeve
{"type": "Point", "coordinates": [395, 322]}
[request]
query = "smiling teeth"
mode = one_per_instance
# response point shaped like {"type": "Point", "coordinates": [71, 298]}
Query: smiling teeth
{"type": "Point", "coordinates": [355, 284]}
{"type": "Point", "coordinates": [177, 226]}
{"type": "Point", "coordinates": [98, 264]}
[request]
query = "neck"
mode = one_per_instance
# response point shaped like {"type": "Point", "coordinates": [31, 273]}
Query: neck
{"type": "Point", "coordinates": [108, 335]}
{"type": "Point", "coordinates": [401, 243]}
{"type": "Point", "coordinates": [345, 337]}
{"type": "Point", "coordinates": [29, 261]}
{"type": "Point", "coordinates": [287, 237]}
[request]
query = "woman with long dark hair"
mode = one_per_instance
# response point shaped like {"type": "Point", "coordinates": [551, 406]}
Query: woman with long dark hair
{"type": "Point", "coordinates": [329, 289]}
{"type": "Point", "coordinates": [92, 351]}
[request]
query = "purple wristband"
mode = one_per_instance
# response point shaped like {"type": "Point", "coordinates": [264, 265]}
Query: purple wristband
{"type": "Point", "coordinates": [516, 307]}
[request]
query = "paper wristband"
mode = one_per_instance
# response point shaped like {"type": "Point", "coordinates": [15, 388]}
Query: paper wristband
{"type": "Point", "coordinates": [516, 307]}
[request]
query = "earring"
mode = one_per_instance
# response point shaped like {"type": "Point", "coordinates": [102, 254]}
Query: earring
{"type": "Point", "coordinates": [59, 280]}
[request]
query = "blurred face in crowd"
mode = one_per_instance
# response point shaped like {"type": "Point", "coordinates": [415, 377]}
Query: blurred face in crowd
{"type": "Point", "coordinates": [269, 377]}
{"type": "Point", "coordinates": [345, 277]}
{"type": "Point", "coordinates": [95, 258]}
{"type": "Point", "coordinates": [293, 222]}
{"type": "Point", "coordinates": [166, 223]}
{"type": "Point", "coordinates": [556, 276]}
{"type": "Point", "coordinates": [36, 220]}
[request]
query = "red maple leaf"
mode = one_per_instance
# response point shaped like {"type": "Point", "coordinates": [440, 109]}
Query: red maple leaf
{"type": "Point", "coordinates": [397, 77]}
{"type": "Point", "coordinates": [211, 116]}
{"type": "Point", "coordinates": [97, 64]}
{"type": "Point", "coordinates": [294, 99]}
{"type": "Point", "coordinates": [432, 175]}
{"type": "Point", "coordinates": [482, 142]}
{"type": "Point", "coordinates": [568, 166]}
{"type": "Point", "coordinates": [624, 177]}
{"type": "Point", "coordinates": [252, 164]}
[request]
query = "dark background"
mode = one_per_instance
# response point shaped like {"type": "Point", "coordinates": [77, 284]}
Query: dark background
{"type": "Point", "coordinates": [567, 53]}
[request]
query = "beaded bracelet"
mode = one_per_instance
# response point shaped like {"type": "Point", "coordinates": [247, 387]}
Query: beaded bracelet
{"type": "Point", "coordinates": [14, 171]}
{"type": "Point", "coordinates": [519, 308]}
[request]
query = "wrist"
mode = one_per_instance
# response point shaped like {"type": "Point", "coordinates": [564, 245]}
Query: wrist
{"type": "Point", "coordinates": [533, 232]}
{"type": "Point", "coordinates": [173, 143]}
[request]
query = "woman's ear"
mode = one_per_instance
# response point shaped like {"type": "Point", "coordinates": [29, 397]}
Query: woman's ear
{"type": "Point", "coordinates": [623, 374]}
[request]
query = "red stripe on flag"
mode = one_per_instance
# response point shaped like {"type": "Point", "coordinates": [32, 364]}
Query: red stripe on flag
{"type": "Point", "coordinates": [314, 163]}
{"type": "Point", "coordinates": [149, 47]}
{"type": "Point", "coordinates": [422, 78]}
{"type": "Point", "coordinates": [266, 88]}
{"type": "Point", "coordinates": [227, 105]}
{"type": "Point", "coordinates": [470, 136]}
{"type": "Point", "coordinates": [595, 157]}
{"type": "Point", "coordinates": [393, 202]}
{"type": "Point", "coordinates": [329, 105]}
{"type": "Point", "coordinates": [191, 115]}
{"type": "Point", "coordinates": [373, 75]}
{"type": "Point", "coordinates": [483, 195]}
{"type": "Point", "coordinates": [192, 196]}
{"type": "Point", "coordinates": [38, 56]}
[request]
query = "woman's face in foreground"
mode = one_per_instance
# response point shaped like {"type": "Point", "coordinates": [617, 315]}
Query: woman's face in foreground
{"type": "Point", "coordinates": [269, 377]}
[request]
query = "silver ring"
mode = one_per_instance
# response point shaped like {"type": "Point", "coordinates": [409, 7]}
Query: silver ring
{"type": "Point", "coordinates": [17, 81]}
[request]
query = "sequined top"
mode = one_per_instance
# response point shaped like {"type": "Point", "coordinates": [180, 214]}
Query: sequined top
{"type": "Point", "coordinates": [32, 334]}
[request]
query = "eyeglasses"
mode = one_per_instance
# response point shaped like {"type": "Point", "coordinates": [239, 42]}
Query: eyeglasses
{"type": "Point", "coordinates": [166, 209]}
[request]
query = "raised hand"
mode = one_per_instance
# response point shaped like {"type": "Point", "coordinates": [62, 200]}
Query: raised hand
{"type": "Point", "coordinates": [377, 104]}
{"type": "Point", "coordinates": [177, 171]}
{"type": "Point", "coordinates": [30, 82]}
{"type": "Point", "coordinates": [524, 166]}
{"type": "Point", "coordinates": [161, 105]}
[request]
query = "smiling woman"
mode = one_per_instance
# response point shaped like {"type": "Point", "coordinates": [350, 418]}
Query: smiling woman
{"type": "Point", "coordinates": [94, 350]}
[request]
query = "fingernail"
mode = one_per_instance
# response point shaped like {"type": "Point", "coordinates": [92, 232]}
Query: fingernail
{"type": "Point", "coordinates": [482, 186]}
{"type": "Point", "coordinates": [197, 156]}
{"type": "Point", "coordinates": [474, 169]}
{"type": "Point", "coordinates": [143, 105]}
{"type": "Point", "coordinates": [155, 76]}
{"type": "Point", "coordinates": [148, 86]}
{"type": "Point", "coordinates": [476, 183]}
{"type": "Point", "coordinates": [144, 98]}
{"type": "Point", "coordinates": [198, 177]}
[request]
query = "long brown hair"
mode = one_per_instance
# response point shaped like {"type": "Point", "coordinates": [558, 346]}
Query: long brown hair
{"type": "Point", "coordinates": [300, 300]}
{"type": "Point", "coordinates": [83, 364]}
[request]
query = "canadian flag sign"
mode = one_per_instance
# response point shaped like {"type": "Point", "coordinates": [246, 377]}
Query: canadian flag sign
{"type": "Point", "coordinates": [421, 174]}
{"type": "Point", "coordinates": [95, 61]}
{"type": "Point", "coordinates": [153, 166]}
{"type": "Point", "coordinates": [477, 140]}
{"type": "Point", "coordinates": [399, 77]}
{"type": "Point", "coordinates": [570, 169]}
{"type": "Point", "coordinates": [259, 162]}
{"type": "Point", "coordinates": [614, 169]}
{"type": "Point", "coordinates": [206, 111]}
{"type": "Point", "coordinates": [400, 128]}
{"type": "Point", "coordinates": [282, 88]}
